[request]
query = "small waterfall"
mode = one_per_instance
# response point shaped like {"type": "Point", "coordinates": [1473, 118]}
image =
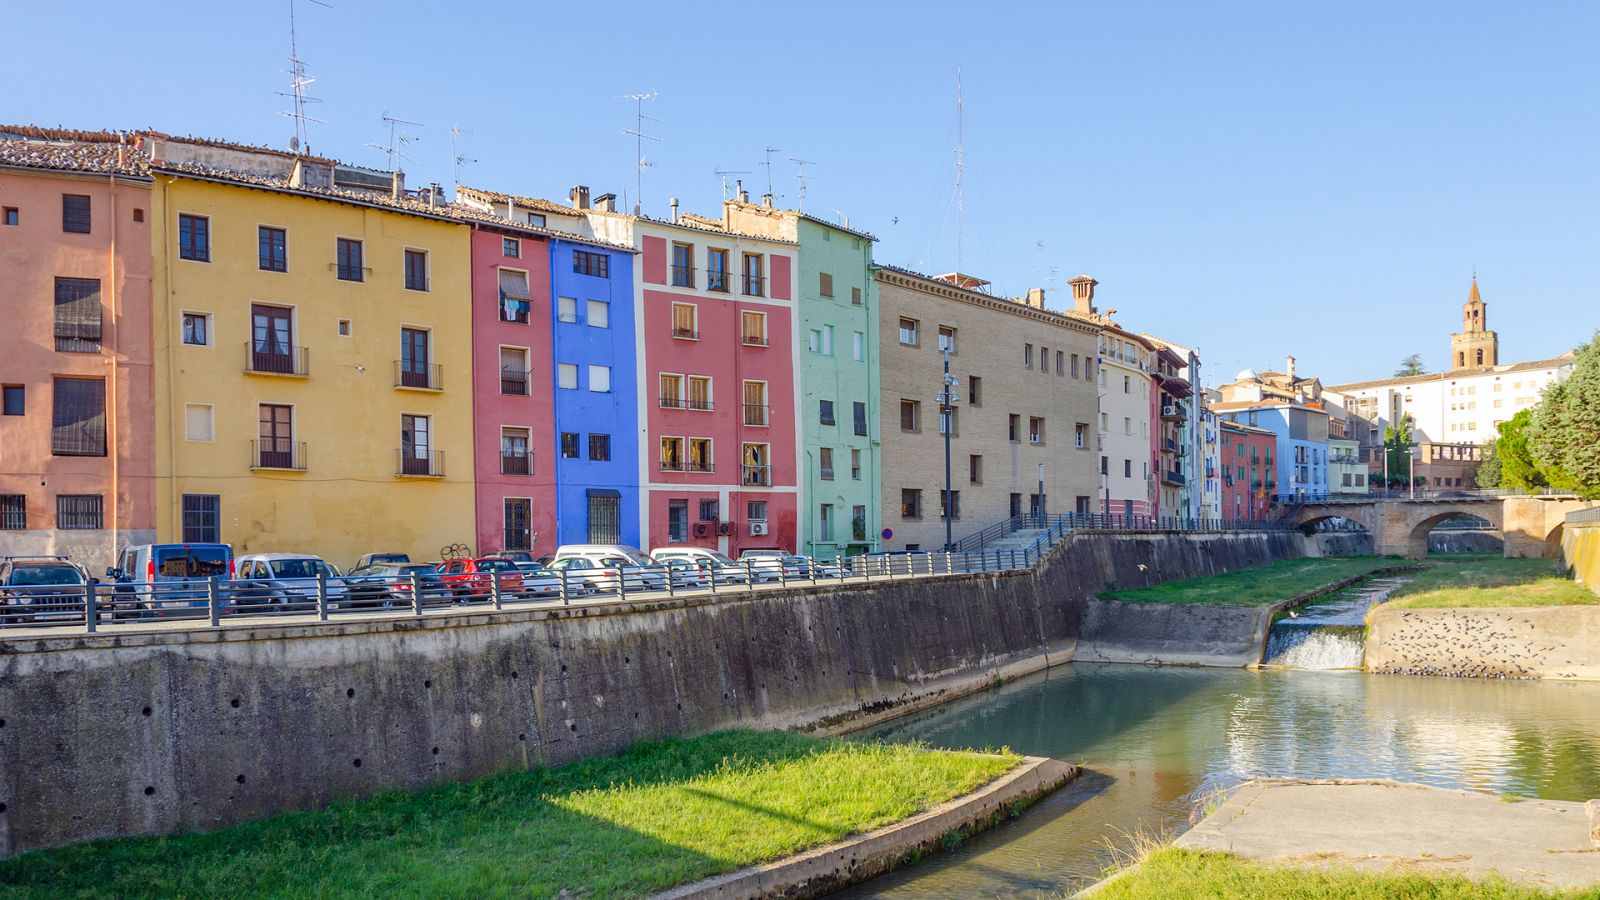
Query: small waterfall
{"type": "Point", "coordinates": [1329, 633]}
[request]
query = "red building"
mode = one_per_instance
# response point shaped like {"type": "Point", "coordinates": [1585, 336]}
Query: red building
{"type": "Point", "coordinates": [1245, 459]}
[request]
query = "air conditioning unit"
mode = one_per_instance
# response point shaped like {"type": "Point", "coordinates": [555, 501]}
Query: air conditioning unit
{"type": "Point", "coordinates": [758, 529]}
{"type": "Point", "coordinates": [725, 528]}
{"type": "Point", "coordinates": [702, 529]}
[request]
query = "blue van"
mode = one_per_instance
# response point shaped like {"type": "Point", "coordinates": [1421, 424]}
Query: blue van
{"type": "Point", "coordinates": [167, 579]}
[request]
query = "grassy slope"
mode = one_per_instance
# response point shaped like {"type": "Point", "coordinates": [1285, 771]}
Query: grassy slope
{"type": "Point", "coordinates": [1489, 581]}
{"type": "Point", "coordinates": [660, 814]}
{"type": "Point", "coordinates": [1257, 586]}
{"type": "Point", "coordinates": [1172, 872]}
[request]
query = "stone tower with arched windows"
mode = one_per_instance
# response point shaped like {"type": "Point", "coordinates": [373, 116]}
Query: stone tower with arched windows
{"type": "Point", "coordinates": [1475, 345]}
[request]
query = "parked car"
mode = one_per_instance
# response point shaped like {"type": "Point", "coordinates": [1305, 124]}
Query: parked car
{"type": "Point", "coordinates": [687, 574]}
{"type": "Point", "coordinates": [714, 563]}
{"type": "Point", "coordinates": [624, 565]}
{"type": "Point", "coordinates": [516, 556]}
{"type": "Point", "coordinates": [41, 588]}
{"type": "Point", "coordinates": [389, 583]}
{"type": "Point", "coordinates": [169, 579]}
{"type": "Point", "coordinates": [472, 579]}
{"type": "Point", "coordinates": [287, 581]}
{"type": "Point", "coordinates": [776, 565]}
{"type": "Point", "coordinates": [541, 582]}
{"type": "Point", "coordinates": [372, 559]}
{"type": "Point", "coordinates": [606, 574]}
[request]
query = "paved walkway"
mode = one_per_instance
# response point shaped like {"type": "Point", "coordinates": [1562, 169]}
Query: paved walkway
{"type": "Point", "coordinates": [1384, 824]}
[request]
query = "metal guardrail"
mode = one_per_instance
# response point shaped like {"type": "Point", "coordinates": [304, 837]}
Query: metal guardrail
{"type": "Point", "coordinates": [1068, 522]}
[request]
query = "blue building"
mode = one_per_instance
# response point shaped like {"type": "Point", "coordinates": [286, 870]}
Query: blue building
{"type": "Point", "coordinates": [595, 383]}
{"type": "Point", "coordinates": [1301, 433]}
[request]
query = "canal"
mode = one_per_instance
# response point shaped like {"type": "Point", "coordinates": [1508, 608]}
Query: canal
{"type": "Point", "coordinates": [1156, 741]}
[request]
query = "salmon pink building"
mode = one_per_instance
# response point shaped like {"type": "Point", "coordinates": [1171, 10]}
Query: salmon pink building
{"type": "Point", "coordinates": [77, 447]}
{"type": "Point", "coordinates": [1246, 469]}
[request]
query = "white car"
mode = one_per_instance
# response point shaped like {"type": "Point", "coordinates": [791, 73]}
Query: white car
{"type": "Point", "coordinates": [618, 565]}
{"type": "Point", "coordinates": [284, 580]}
{"type": "Point", "coordinates": [713, 563]}
{"type": "Point", "coordinates": [776, 565]}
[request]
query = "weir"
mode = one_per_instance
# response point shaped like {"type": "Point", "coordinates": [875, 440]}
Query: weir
{"type": "Point", "coordinates": [1327, 634]}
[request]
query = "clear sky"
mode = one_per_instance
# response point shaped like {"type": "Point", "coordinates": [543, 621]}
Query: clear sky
{"type": "Point", "coordinates": [1254, 179]}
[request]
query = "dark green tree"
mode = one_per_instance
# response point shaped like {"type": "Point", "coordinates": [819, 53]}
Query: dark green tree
{"type": "Point", "coordinates": [1563, 434]}
{"type": "Point", "coordinates": [1397, 446]}
{"type": "Point", "coordinates": [1488, 474]}
{"type": "Point", "coordinates": [1411, 365]}
{"type": "Point", "coordinates": [1517, 468]}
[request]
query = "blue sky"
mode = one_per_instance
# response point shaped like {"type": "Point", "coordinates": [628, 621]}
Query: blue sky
{"type": "Point", "coordinates": [1255, 179]}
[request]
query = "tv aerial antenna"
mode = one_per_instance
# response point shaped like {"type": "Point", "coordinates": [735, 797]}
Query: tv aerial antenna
{"type": "Point", "coordinates": [457, 158]}
{"type": "Point", "coordinates": [397, 140]}
{"type": "Point", "coordinates": [724, 173]}
{"type": "Point", "coordinates": [639, 137]}
{"type": "Point", "coordinates": [768, 164]}
{"type": "Point", "coordinates": [801, 176]}
{"type": "Point", "coordinates": [299, 80]}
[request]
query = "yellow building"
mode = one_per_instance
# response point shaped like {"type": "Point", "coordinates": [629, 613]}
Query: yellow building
{"type": "Point", "coordinates": [312, 356]}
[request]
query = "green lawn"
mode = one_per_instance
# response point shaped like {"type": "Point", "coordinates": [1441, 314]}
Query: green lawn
{"type": "Point", "coordinates": [1489, 580]}
{"type": "Point", "coordinates": [1172, 872]}
{"type": "Point", "coordinates": [659, 815]}
{"type": "Point", "coordinates": [1257, 586]}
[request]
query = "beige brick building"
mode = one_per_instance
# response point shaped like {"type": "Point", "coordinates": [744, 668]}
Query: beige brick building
{"type": "Point", "coordinates": [1027, 396]}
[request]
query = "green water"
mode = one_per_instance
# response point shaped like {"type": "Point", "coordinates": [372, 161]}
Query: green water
{"type": "Point", "coordinates": [1156, 740]}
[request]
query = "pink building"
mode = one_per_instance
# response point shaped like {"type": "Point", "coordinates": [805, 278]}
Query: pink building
{"type": "Point", "coordinates": [512, 375]}
{"type": "Point", "coordinates": [77, 446]}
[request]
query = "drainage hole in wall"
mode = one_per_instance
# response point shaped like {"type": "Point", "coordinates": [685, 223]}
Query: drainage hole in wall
{"type": "Point", "coordinates": [627, 660]}
{"type": "Point", "coordinates": [2, 723]}
{"type": "Point", "coordinates": [522, 737]}
{"type": "Point", "coordinates": [234, 703]}
{"type": "Point", "coordinates": [149, 791]}
{"type": "Point", "coordinates": [239, 778]}
{"type": "Point", "coordinates": [147, 710]}
{"type": "Point", "coordinates": [514, 674]}
{"type": "Point", "coordinates": [2, 807]}
{"type": "Point", "coordinates": [350, 692]}
{"type": "Point", "coordinates": [680, 707]}
{"type": "Point", "coordinates": [356, 763]}
{"type": "Point", "coordinates": [574, 726]}
{"type": "Point", "coordinates": [636, 714]}
{"type": "Point", "coordinates": [436, 751]}
{"type": "Point", "coordinates": [427, 685]}
{"type": "Point", "coordinates": [563, 667]}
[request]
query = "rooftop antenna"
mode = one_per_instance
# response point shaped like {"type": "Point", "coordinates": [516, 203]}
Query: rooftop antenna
{"type": "Point", "coordinates": [639, 137]}
{"type": "Point", "coordinates": [801, 176]}
{"type": "Point", "coordinates": [458, 159]}
{"type": "Point", "coordinates": [397, 140]}
{"type": "Point", "coordinates": [768, 164]}
{"type": "Point", "coordinates": [724, 173]}
{"type": "Point", "coordinates": [299, 80]}
{"type": "Point", "coordinates": [961, 167]}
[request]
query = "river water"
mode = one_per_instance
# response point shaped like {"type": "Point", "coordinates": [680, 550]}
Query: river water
{"type": "Point", "coordinates": [1156, 741]}
{"type": "Point", "coordinates": [1329, 633]}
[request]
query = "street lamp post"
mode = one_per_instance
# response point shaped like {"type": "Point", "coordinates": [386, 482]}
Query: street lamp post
{"type": "Point", "coordinates": [947, 399]}
{"type": "Point", "coordinates": [1041, 491]}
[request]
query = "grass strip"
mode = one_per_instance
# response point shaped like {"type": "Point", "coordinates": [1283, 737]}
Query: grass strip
{"type": "Point", "coordinates": [661, 814]}
{"type": "Point", "coordinates": [1489, 581]}
{"type": "Point", "coordinates": [1175, 872]}
{"type": "Point", "coordinates": [1257, 586]}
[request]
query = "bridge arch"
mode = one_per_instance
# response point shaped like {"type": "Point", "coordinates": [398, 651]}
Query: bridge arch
{"type": "Point", "coordinates": [1425, 522]}
{"type": "Point", "coordinates": [1530, 525]}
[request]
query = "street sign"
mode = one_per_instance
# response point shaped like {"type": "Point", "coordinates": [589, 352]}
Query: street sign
{"type": "Point", "coordinates": [888, 533]}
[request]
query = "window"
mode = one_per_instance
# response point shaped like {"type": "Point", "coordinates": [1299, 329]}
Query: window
{"type": "Point", "coordinates": [671, 391]}
{"type": "Point", "coordinates": [757, 465]}
{"type": "Point", "coordinates": [947, 338]}
{"type": "Point", "coordinates": [13, 512]}
{"type": "Point", "coordinates": [199, 422]}
{"type": "Point", "coordinates": [16, 397]}
{"type": "Point", "coordinates": [677, 520]}
{"type": "Point", "coordinates": [672, 454]}
{"type": "Point", "coordinates": [12, 217]}
{"type": "Point", "coordinates": [1027, 356]}
{"type": "Point", "coordinates": [754, 284]}
{"type": "Point", "coordinates": [1127, 468]}
{"type": "Point", "coordinates": [515, 301]}
{"type": "Point", "coordinates": [710, 511]}
{"type": "Point", "coordinates": [949, 504]}
{"type": "Point", "coordinates": [511, 247]}
{"type": "Point", "coordinates": [700, 455]}
{"type": "Point", "coordinates": [600, 379]}
{"type": "Point", "coordinates": [855, 296]}
{"type": "Point", "coordinates": [567, 309]}
{"type": "Point", "coordinates": [1105, 466]}
{"type": "Point", "coordinates": [717, 270]}
{"type": "Point", "coordinates": [1060, 363]}
{"type": "Point", "coordinates": [518, 523]}
{"type": "Point", "coordinates": [858, 411]}
{"type": "Point", "coordinates": [414, 355]}
{"type": "Point", "coordinates": [755, 403]}
{"type": "Point", "coordinates": [514, 371]}
{"type": "Point", "coordinates": [1127, 425]}
{"type": "Point", "coordinates": [975, 469]}
{"type": "Point", "coordinates": [275, 429]}
{"type": "Point", "coordinates": [202, 518]}
{"type": "Point", "coordinates": [825, 463]}
{"type": "Point", "coordinates": [974, 390]}
{"type": "Point", "coordinates": [825, 284]}
{"type": "Point", "coordinates": [569, 445]}
{"type": "Point", "coordinates": [585, 262]}
{"type": "Point", "coordinates": [949, 419]}
{"type": "Point", "coordinates": [1080, 435]}
{"type": "Point", "coordinates": [686, 321]}
{"type": "Point", "coordinates": [825, 412]}
{"type": "Point", "coordinates": [600, 447]}
{"type": "Point", "coordinates": [855, 464]}
{"type": "Point", "coordinates": [827, 341]}
{"type": "Point", "coordinates": [1127, 384]}
{"type": "Point", "coordinates": [79, 512]}
{"type": "Point", "coordinates": [1035, 430]}
{"type": "Point", "coordinates": [599, 313]}
{"type": "Point", "coordinates": [194, 236]}
{"type": "Point", "coordinates": [1074, 365]}
{"type": "Point", "coordinates": [1044, 360]}
{"type": "Point", "coordinates": [858, 522]}
{"type": "Point", "coordinates": [908, 332]}
{"type": "Point", "coordinates": [753, 328]}
{"type": "Point", "coordinates": [77, 311]}
{"type": "Point", "coordinates": [825, 522]}
{"type": "Point", "coordinates": [350, 264]}
{"type": "Point", "coordinates": [858, 342]}
{"type": "Point", "coordinates": [197, 329]}
{"type": "Point", "coordinates": [567, 376]}
{"type": "Point", "coordinates": [516, 451]}
{"type": "Point", "coordinates": [416, 262]}
{"type": "Point", "coordinates": [272, 249]}
{"type": "Point", "coordinates": [910, 503]}
{"type": "Point", "coordinates": [699, 392]}
{"type": "Point", "coordinates": [756, 510]}
{"type": "Point", "coordinates": [683, 265]}
{"type": "Point", "coordinates": [815, 342]}
{"type": "Point", "coordinates": [75, 213]}
{"type": "Point", "coordinates": [1014, 427]}
{"type": "Point", "coordinates": [78, 424]}
{"type": "Point", "coordinates": [910, 415]}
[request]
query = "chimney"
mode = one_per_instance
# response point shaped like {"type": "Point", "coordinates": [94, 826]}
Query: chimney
{"type": "Point", "coordinates": [397, 184]}
{"type": "Point", "coordinates": [1288, 368]}
{"type": "Point", "coordinates": [766, 200]}
{"type": "Point", "coordinates": [604, 202]}
{"type": "Point", "coordinates": [435, 194]}
{"type": "Point", "coordinates": [1035, 298]}
{"type": "Point", "coordinates": [673, 202]}
{"type": "Point", "coordinates": [1083, 294]}
{"type": "Point", "coordinates": [739, 191]}
{"type": "Point", "coordinates": [579, 196]}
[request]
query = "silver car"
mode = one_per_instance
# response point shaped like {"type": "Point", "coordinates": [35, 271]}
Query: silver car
{"type": "Point", "coordinates": [273, 582]}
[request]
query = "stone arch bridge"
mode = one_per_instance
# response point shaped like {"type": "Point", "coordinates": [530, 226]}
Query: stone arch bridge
{"type": "Point", "coordinates": [1529, 524]}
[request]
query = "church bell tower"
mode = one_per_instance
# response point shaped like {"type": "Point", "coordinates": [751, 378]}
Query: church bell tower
{"type": "Point", "coordinates": [1475, 346]}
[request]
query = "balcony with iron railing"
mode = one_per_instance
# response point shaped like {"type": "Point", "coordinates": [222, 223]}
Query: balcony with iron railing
{"type": "Point", "coordinates": [754, 285]}
{"type": "Point", "coordinates": [718, 281]}
{"type": "Point", "coordinates": [691, 403]}
{"type": "Point", "coordinates": [753, 340]}
{"type": "Point", "coordinates": [682, 333]}
{"type": "Point", "coordinates": [682, 276]}
{"type": "Point", "coordinates": [416, 462]}
{"type": "Point", "coordinates": [701, 465]}
{"type": "Point", "coordinates": [514, 382]}
{"type": "Point", "coordinates": [1171, 477]}
{"type": "Point", "coordinates": [261, 358]}
{"type": "Point", "coordinates": [280, 454]}
{"type": "Point", "coordinates": [755, 475]}
{"type": "Point", "coordinates": [516, 463]}
{"type": "Point", "coordinates": [416, 376]}
{"type": "Point", "coordinates": [756, 414]}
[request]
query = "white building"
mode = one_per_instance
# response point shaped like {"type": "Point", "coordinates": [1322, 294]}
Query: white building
{"type": "Point", "coordinates": [1127, 486]}
{"type": "Point", "coordinates": [1463, 406]}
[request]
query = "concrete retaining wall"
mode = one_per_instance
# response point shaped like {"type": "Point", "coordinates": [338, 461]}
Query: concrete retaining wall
{"type": "Point", "coordinates": [1533, 642]}
{"type": "Point", "coordinates": [167, 731]}
{"type": "Point", "coordinates": [1580, 547]}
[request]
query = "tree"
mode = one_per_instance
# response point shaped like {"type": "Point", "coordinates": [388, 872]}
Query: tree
{"type": "Point", "coordinates": [1563, 433]}
{"type": "Point", "coordinates": [1488, 474]}
{"type": "Point", "coordinates": [1517, 468]}
{"type": "Point", "coordinates": [1411, 365]}
{"type": "Point", "coordinates": [1397, 446]}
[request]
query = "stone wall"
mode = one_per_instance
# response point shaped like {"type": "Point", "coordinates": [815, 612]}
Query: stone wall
{"type": "Point", "coordinates": [1531, 642]}
{"type": "Point", "coordinates": [166, 731]}
{"type": "Point", "coordinates": [1466, 542]}
{"type": "Point", "coordinates": [1580, 547]}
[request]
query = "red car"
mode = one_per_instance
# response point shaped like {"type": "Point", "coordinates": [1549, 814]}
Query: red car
{"type": "Point", "coordinates": [471, 579]}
